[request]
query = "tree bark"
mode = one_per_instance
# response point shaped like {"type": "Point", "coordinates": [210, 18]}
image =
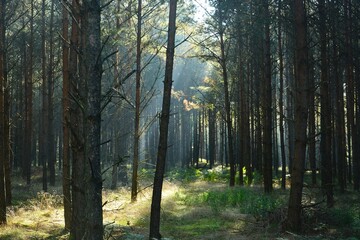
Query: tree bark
{"type": "Point", "coordinates": [267, 105]}
{"type": "Point", "coordinates": [66, 178]}
{"type": "Point", "coordinates": [228, 118]}
{"type": "Point", "coordinates": [27, 157]}
{"type": "Point", "coordinates": [2, 115]}
{"type": "Point", "coordinates": [134, 186]}
{"type": "Point", "coordinates": [301, 112]}
{"type": "Point", "coordinates": [325, 144]}
{"type": "Point", "coordinates": [50, 95]}
{"type": "Point", "coordinates": [91, 71]}
{"type": "Point", "coordinates": [164, 124]}
{"type": "Point", "coordinates": [281, 98]}
{"type": "Point", "coordinates": [76, 126]}
{"type": "Point", "coordinates": [43, 140]}
{"type": "Point", "coordinates": [212, 139]}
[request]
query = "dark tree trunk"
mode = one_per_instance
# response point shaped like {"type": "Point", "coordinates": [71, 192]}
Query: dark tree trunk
{"type": "Point", "coordinates": [312, 128]}
{"type": "Point", "coordinates": [350, 88]}
{"type": "Point", "coordinates": [90, 71]}
{"type": "Point", "coordinates": [339, 115]}
{"type": "Point", "coordinates": [2, 116]}
{"type": "Point", "coordinates": [6, 89]}
{"type": "Point", "coordinates": [66, 178]}
{"type": "Point", "coordinates": [50, 95]}
{"type": "Point", "coordinates": [301, 112]}
{"type": "Point", "coordinates": [44, 127]}
{"type": "Point", "coordinates": [27, 156]}
{"type": "Point", "coordinates": [267, 104]}
{"type": "Point", "coordinates": [228, 117]}
{"type": "Point", "coordinates": [76, 126]}
{"type": "Point", "coordinates": [134, 186]}
{"type": "Point", "coordinates": [325, 144]}
{"type": "Point", "coordinates": [164, 125]}
{"type": "Point", "coordinates": [85, 121]}
{"type": "Point", "coordinates": [281, 97]}
{"type": "Point", "coordinates": [212, 133]}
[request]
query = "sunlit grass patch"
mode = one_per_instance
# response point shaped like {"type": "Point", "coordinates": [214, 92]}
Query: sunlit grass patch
{"type": "Point", "coordinates": [196, 227]}
{"type": "Point", "coordinates": [246, 200]}
{"type": "Point", "coordinates": [18, 233]}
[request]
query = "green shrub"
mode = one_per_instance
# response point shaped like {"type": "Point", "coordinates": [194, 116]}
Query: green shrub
{"type": "Point", "coordinates": [185, 175]}
{"type": "Point", "coordinates": [339, 217]}
{"type": "Point", "coordinates": [247, 200]}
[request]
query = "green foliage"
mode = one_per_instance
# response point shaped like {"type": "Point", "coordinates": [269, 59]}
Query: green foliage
{"type": "Point", "coordinates": [216, 174]}
{"type": "Point", "coordinates": [185, 175]}
{"type": "Point", "coordinates": [192, 174]}
{"type": "Point", "coordinates": [246, 200]}
{"type": "Point", "coordinates": [257, 178]}
{"type": "Point", "coordinates": [339, 217]}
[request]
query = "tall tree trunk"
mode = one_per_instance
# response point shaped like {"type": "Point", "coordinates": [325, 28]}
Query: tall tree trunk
{"type": "Point", "coordinates": [301, 113]}
{"type": "Point", "coordinates": [75, 124]}
{"type": "Point", "coordinates": [87, 222]}
{"type": "Point", "coordinates": [2, 117]}
{"type": "Point", "coordinates": [44, 127]}
{"type": "Point", "coordinates": [66, 178]}
{"type": "Point", "coordinates": [325, 144]}
{"type": "Point", "coordinates": [164, 125]}
{"type": "Point", "coordinates": [350, 86]}
{"type": "Point", "coordinates": [228, 118]}
{"type": "Point", "coordinates": [356, 162]}
{"type": "Point", "coordinates": [29, 101]}
{"type": "Point", "coordinates": [281, 98]}
{"type": "Point", "coordinates": [7, 152]}
{"type": "Point", "coordinates": [267, 104]}
{"type": "Point", "coordinates": [312, 126]}
{"type": "Point", "coordinates": [339, 147]}
{"type": "Point", "coordinates": [50, 95]}
{"type": "Point", "coordinates": [134, 186]}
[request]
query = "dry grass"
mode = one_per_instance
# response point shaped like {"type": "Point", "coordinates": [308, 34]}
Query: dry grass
{"type": "Point", "coordinates": [185, 215]}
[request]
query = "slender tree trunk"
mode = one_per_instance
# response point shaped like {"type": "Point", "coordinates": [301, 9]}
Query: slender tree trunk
{"type": "Point", "coordinates": [7, 152]}
{"type": "Point", "coordinates": [2, 115]}
{"type": "Point", "coordinates": [281, 98]}
{"type": "Point", "coordinates": [339, 163]}
{"type": "Point", "coordinates": [228, 118]}
{"type": "Point", "coordinates": [66, 178]}
{"type": "Point", "coordinates": [134, 186]}
{"type": "Point", "coordinates": [44, 127]}
{"type": "Point", "coordinates": [50, 95]}
{"type": "Point", "coordinates": [267, 104]}
{"type": "Point", "coordinates": [325, 144]}
{"type": "Point", "coordinates": [301, 113]}
{"type": "Point", "coordinates": [356, 163]}
{"type": "Point", "coordinates": [29, 101]}
{"type": "Point", "coordinates": [312, 129]}
{"type": "Point", "coordinates": [350, 86]}
{"type": "Point", "coordinates": [7, 149]}
{"type": "Point", "coordinates": [164, 125]}
{"type": "Point", "coordinates": [212, 139]}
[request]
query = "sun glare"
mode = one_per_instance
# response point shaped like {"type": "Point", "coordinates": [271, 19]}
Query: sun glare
{"type": "Point", "coordinates": [202, 9]}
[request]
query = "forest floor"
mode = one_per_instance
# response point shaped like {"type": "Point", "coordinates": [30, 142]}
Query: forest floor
{"type": "Point", "coordinates": [195, 205]}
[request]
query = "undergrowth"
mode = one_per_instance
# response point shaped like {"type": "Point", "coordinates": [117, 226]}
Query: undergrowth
{"type": "Point", "coordinates": [187, 175]}
{"type": "Point", "coordinates": [245, 200]}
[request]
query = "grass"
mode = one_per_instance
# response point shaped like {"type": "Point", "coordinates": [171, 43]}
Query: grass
{"type": "Point", "coordinates": [196, 204]}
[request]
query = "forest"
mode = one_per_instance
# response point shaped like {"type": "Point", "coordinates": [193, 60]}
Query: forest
{"type": "Point", "coordinates": [179, 119]}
